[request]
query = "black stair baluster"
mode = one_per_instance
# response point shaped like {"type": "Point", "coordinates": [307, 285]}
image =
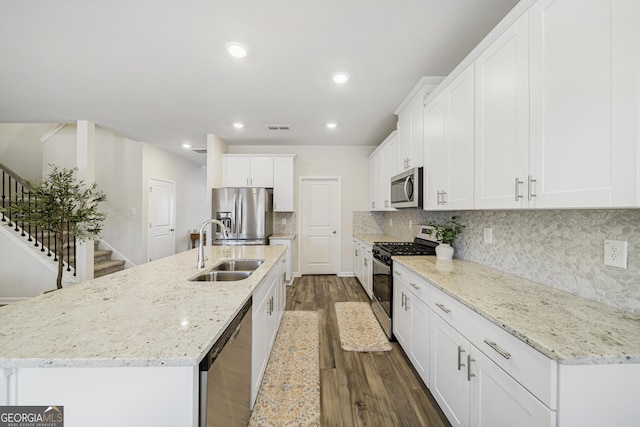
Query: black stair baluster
{"type": "Point", "coordinates": [30, 208]}
{"type": "Point", "coordinates": [69, 247]}
{"type": "Point", "coordinates": [55, 246]}
{"type": "Point", "coordinates": [42, 240]}
{"type": "Point", "coordinates": [75, 267]}
{"type": "Point", "coordinates": [16, 222]}
{"type": "Point", "coordinates": [4, 174]}
{"type": "Point", "coordinates": [49, 243]}
{"type": "Point", "coordinates": [10, 224]}
{"type": "Point", "coordinates": [22, 222]}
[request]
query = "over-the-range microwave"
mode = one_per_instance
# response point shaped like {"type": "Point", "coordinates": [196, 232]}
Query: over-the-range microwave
{"type": "Point", "coordinates": [406, 189]}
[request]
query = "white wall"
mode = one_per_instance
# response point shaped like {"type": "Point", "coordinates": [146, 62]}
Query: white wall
{"type": "Point", "coordinates": [350, 163]}
{"type": "Point", "coordinates": [21, 149]}
{"type": "Point", "coordinates": [190, 179]}
{"type": "Point", "coordinates": [60, 149]}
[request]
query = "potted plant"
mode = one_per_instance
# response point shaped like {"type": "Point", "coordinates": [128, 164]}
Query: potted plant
{"type": "Point", "coordinates": [446, 233]}
{"type": "Point", "coordinates": [61, 205]}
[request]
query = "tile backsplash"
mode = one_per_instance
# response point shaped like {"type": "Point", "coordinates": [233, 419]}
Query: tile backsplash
{"type": "Point", "coordinates": [563, 249]}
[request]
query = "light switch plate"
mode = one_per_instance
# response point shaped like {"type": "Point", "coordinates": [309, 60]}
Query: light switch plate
{"type": "Point", "coordinates": [488, 235]}
{"type": "Point", "coordinates": [615, 253]}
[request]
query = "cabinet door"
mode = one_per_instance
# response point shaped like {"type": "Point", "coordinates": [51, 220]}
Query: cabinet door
{"type": "Point", "coordinates": [259, 345]}
{"type": "Point", "coordinates": [459, 136]}
{"type": "Point", "coordinates": [584, 106]}
{"type": "Point", "coordinates": [389, 168]}
{"type": "Point", "coordinates": [410, 134]}
{"type": "Point", "coordinates": [283, 184]}
{"type": "Point", "coordinates": [367, 274]}
{"type": "Point", "coordinates": [400, 315]}
{"type": "Point", "coordinates": [435, 170]}
{"type": "Point", "coordinates": [375, 181]}
{"type": "Point", "coordinates": [419, 325]}
{"type": "Point", "coordinates": [261, 172]}
{"type": "Point", "coordinates": [497, 400]}
{"type": "Point", "coordinates": [236, 171]}
{"type": "Point", "coordinates": [449, 384]}
{"type": "Point", "coordinates": [502, 120]}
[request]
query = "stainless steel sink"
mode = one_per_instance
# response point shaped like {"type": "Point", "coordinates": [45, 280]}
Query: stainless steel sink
{"type": "Point", "coordinates": [229, 271]}
{"type": "Point", "coordinates": [221, 276]}
{"type": "Point", "coordinates": [238, 265]}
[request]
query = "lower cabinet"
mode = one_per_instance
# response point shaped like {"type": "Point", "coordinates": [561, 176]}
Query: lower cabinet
{"type": "Point", "coordinates": [267, 311]}
{"type": "Point", "coordinates": [473, 391]}
{"type": "Point", "coordinates": [363, 265]}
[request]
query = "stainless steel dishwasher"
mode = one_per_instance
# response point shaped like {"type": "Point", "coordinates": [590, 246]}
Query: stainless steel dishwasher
{"type": "Point", "coordinates": [225, 376]}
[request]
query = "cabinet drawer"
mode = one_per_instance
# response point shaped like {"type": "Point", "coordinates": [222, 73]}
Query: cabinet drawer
{"type": "Point", "coordinates": [417, 285]}
{"type": "Point", "coordinates": [533, 370]}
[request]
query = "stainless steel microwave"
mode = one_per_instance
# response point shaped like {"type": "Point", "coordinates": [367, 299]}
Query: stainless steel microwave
{"type": "Point", "coordinates": [406, 189]}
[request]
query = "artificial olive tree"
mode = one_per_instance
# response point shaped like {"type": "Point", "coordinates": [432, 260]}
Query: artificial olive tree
{"type": "Point", "coordinates": [62, 205]}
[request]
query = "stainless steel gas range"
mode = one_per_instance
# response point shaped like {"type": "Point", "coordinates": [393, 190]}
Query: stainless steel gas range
{"type": "Point", "coordinates": [383, 252]}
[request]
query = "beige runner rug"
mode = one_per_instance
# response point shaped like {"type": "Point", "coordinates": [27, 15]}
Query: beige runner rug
{"type": "Point", "coordinates": [290, 391]}
{"type": "Point", "coordinates": [359, 329]}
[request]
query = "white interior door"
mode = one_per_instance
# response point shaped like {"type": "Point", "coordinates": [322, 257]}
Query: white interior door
{"type": "Point", "coordinates": [319, 225]}
{"type": "Point", "coordinates": [162, 201]}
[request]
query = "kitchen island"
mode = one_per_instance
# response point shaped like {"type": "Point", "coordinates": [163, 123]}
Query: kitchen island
{"type": "Point", "coordinates": [149, 325]}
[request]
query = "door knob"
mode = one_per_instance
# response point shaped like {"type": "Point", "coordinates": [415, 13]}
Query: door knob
{"type": "Point", "coordinates": [334, 231]}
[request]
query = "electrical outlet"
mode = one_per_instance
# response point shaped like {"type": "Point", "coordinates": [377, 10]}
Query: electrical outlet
{"type": "Point", "coordinates": [615, 253]}
{"type": "Point", "coordinates": [390, 221]}
{"type": "Point", "coordinates": [284, 221]}
{"type": "Point", "coordinates": [410, 224]}
{"type": "Point", "coordinates": [488, 235]}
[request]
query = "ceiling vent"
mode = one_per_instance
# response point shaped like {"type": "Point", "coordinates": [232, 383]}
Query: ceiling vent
{"type": "Point", "coordinates": [200, 150]}
{"type": "Point", "coordinates": [278, 127]}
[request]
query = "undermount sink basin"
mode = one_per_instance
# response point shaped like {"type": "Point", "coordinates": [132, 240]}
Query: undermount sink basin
{"type": "Point", "coordinates": [238, 265]}
{"type": "Point", "coordinates": [229, 271]}
{"type": "Point", "coordinates": [221, 276]}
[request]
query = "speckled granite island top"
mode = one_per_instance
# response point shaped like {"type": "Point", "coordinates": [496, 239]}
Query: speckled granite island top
{"type": "Point", "coordinates": [150, 315]}
{"type": "Point", "coordinates": [566, 328]}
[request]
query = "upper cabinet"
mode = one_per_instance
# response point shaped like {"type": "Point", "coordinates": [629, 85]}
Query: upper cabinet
{"type": "Point", "coordinates": [449, 143]}
{"type": "Point", "coordinates": [411, 125]}
{"type": "Point", "coordinates": [502, 121]}
{"type": "Point", "coordinates": [247, 171]}
{"type": "Point", "coordinates": [584, 83]}
{"type": "Point", "coordinates": [284, 183]}
{"type": "Point", "coordinates": [271, 171]}
{"type": "Point", "coordinates": [382, 166]}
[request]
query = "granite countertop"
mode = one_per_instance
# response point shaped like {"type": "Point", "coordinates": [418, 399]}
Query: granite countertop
{"type": "Point", "coordinates": [283, 236]}
{"type": "Point", "coordinates": [149, 315]}
{"type": "Point", "coordinates": [370, 239]}
{"type": "Point", "coordinates": [569, 329]}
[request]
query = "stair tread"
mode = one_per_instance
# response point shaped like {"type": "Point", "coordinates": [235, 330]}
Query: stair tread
{"type": "Point", "coordinates": [103, 265]}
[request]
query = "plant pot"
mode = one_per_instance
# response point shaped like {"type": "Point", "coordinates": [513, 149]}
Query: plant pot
{"type": "Point", "coordinates": [444, 251]}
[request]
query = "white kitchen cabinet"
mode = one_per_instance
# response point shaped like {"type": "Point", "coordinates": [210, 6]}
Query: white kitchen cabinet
{"type": "Point", "coordinates": [502, 120]}
{"type": "Point", "coordinates": [247, 171]}
{"type": "Point", "coordinates": [410, 132]}
{"type": "Point", "coordinates": [411, 318]}
{"type": "Point", "coordinates": [267, 310]}
{"type": "Point", "coordinates": [584, 102]}
{"type": "Point", "coordinates": [289, 258]}
{"type": "Point", "coordinates": [382, 166]}
{"type": "Point", "coordinates": [363, 265]}
{"type": "Point", "coordinates": [449, 146]}
{"type": "Point", "coordinates": [284, 183]}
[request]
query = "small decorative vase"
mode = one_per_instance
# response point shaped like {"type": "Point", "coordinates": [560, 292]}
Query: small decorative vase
{"type": "Point", "coordinates": [444, 251]}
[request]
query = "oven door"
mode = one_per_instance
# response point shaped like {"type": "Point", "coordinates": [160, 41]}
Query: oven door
{"type": "Point", "coordinates": [382, 287]}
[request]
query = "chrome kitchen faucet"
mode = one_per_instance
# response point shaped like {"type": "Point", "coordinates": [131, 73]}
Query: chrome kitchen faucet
{"type": "Point", "coordinates": [225, 234]}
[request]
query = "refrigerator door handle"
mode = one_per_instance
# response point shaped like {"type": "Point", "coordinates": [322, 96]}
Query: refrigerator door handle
{"type": "Point", "coordinates": [234, 219]}
{"type": "Point", "coordinates": [240, 206]}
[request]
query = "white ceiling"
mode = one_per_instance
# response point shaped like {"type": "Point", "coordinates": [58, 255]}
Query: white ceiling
{"type": "Point", "coordinates": [157, 71]}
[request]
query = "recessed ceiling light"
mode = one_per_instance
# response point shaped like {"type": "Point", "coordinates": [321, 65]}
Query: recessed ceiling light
{"type": "Point", "coordinates": [186, 146]}
{"type": "Point", "coordinates": [238, 125]}
{"type": "Point", "coordinates": [340, 77]}
{"type": "Point", "coordinates": [237, 50]}
{"type": "Point", "coordinates": [332, 125]}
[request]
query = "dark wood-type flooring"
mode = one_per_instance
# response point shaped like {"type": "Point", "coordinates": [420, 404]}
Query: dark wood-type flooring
{"type": "Point", "coordinates": [361, 389]}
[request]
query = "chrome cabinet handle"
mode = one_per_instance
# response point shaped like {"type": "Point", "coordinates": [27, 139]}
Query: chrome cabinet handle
{"type": "Point", "coordinates": [469, 374]}
{"type": "Point", "coordinates": [438, 194]}
{"type": "Point", "coordinates": [443, 308]}
{"type": "Point", "coordinates": [406, 303]}
{"type": "Point", "coordinates": [518, 195]}
{"type": "Point", "coordinates": [402, 302]}
{"type": "Point", "coordinates": [460, 351]}
{"type": "Point", "coordinates": [414, 286]}
{"type": "Point", "coordinates": [530, 182]}
{"type": "Point", "coordinates": [500, 351]}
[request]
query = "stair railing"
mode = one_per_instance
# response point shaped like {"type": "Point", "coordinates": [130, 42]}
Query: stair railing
{"type": "Point", "coordinates": [13, 186]}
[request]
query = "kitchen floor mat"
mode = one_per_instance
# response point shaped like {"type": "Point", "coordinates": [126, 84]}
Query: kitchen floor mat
{"type": "Point", "coordinates": [359, 329]}
{"type": "Point", "coordinates": [290, 391]}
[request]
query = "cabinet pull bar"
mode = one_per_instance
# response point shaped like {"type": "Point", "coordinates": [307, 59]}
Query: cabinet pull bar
{"type": "Point", "coordinates": [402, 302]}
{"type": "Point", "coordinates": [469, 374]}
{"type": "Point", "coordinates": [518, 195]}
{"type": "Point", "coordinates": [530, 182]}
{"type": "Point", "coordinates": [443, 308]}
{"type": "Point", "coordinates": [460, 351]}
{"type": "Point", "coordinates": [406, 303]}
{"type": "Point", "coordinates": [500, 351]}
{"type": "Point", "coordinates": [414, 286]}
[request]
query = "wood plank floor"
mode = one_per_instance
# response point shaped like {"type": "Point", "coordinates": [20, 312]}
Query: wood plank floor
{"type": "Point", "coordinates": [361, 389]}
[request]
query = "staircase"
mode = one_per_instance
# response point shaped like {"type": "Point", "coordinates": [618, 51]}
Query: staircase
{"type": "Point", "coordinates": [102, 262]}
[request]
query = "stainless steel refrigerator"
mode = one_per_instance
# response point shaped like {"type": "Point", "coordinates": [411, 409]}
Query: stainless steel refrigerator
{"type": "Point", "coordinates": [247, 213]}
